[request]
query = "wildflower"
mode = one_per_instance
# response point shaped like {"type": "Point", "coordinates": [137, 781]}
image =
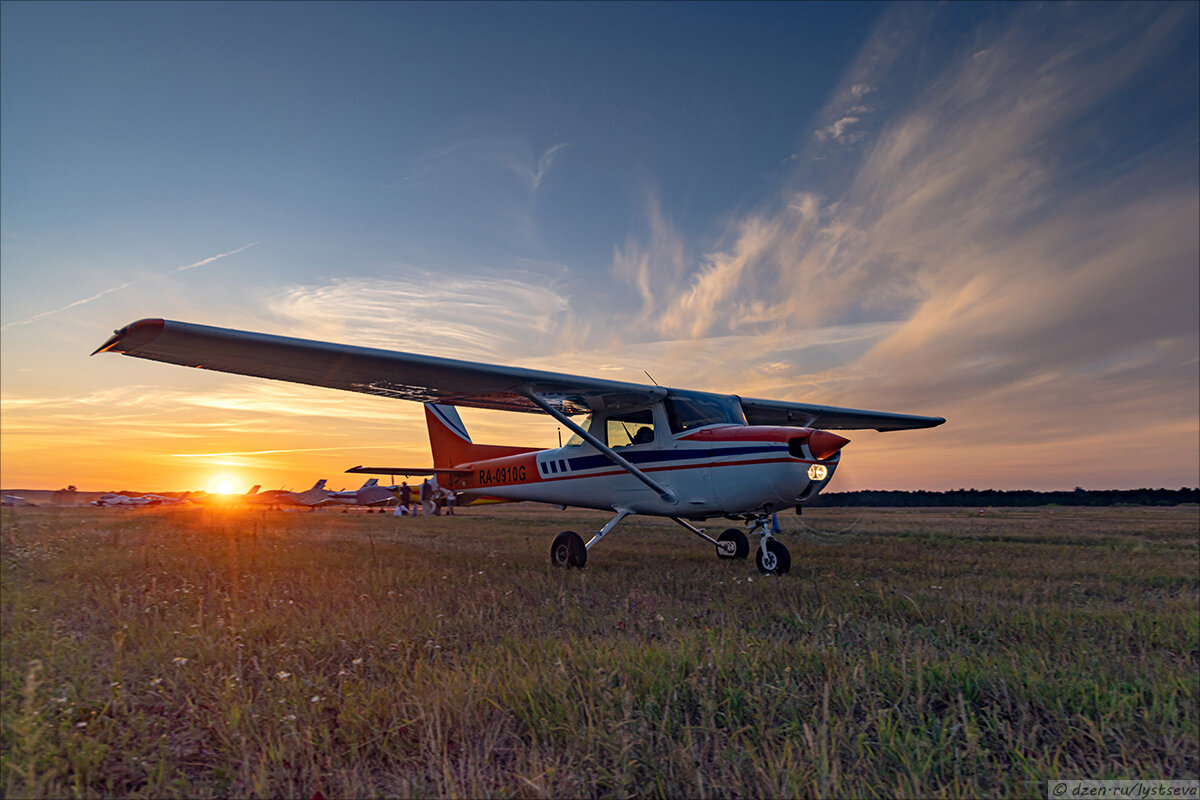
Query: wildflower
{"type": "Point", "coordinates": [316, 698]}
{"type": "Point", "coordinates": [60, 699]}
{"type": "Point", "coordinates": [155, 681]}
{"type": "Point", "coordinates": [80, 724]}
{"type": "Point", "coordinates": [180, 660]}
{"type": "Point", "coordinates": [356, 661]}
{"type": "Point", "coordinates": [289, 718]}
{"type": "Point", "coordinates": [283, 676]}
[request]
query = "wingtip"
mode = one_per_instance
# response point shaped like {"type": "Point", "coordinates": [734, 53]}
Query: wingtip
{"type": "Point", "coordinates": [132, 336]}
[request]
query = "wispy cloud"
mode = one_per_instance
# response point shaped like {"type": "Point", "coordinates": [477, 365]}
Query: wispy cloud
{"type": "Point", "coordinates": [510, 155]}
{"type": "Point", "coordinates": [201, 263]}
{"type": "Point", "coordinates": [487, 314]}
{"type": "Point", "coordinates": [840, 130]}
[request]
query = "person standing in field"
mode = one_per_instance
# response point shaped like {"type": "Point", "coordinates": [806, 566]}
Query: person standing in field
{"type": "Point", "coordinates": [426, 497]}
{"type": "Point", "coordinates": [449, 503]}
{"type": "Point", "coordinates": [406, 497]}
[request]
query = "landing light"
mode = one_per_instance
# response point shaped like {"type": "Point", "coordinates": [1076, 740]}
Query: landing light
{"type": "Point", "coordinates": [817, 472]}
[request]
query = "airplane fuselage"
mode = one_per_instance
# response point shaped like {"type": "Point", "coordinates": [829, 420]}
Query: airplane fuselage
{"type": "Point", "coordinates": [715, 471]}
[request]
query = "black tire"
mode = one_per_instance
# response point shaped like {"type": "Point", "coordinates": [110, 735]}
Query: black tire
{"type": "Point", "coordinates": [568, 550]}
{"type": "Point", "coordinates": [783, 559]}
{"type": "Point", "coordinates": [740, 544]}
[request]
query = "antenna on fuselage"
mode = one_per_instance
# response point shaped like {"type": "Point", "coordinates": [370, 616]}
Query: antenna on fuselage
{"type": "Point", "coordinates": [651, 377]}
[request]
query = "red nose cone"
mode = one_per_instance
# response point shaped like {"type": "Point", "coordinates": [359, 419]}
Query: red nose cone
{"type": "Point", "coordinates": [824, 444]}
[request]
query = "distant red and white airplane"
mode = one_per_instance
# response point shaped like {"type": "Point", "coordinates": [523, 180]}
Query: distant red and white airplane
{"type": "Point", "coordinates": [684, 455]}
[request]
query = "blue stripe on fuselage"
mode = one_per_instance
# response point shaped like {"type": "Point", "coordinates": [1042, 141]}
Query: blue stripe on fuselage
{"type": "Point", "coordinates": [658, 456]}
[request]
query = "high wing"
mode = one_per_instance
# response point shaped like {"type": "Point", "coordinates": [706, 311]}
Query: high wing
{"type": "Point", "coordinates": [386, 373]}
{"type": "Point", "coordinates": [430, 379]}
{"type": "Point", "coordinates": [779, 412]}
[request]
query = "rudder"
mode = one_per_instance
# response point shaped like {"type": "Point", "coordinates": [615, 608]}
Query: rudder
{"type": "Point", "coordinates": [448, 437]}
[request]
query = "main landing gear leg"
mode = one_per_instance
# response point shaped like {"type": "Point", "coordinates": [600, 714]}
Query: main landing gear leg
{"type": "Point", "coordinates": [771, 557]}
{"type": "Point", "coordinates": [568, 549]}
{"type": "Point", "coordinates": [730, 544]}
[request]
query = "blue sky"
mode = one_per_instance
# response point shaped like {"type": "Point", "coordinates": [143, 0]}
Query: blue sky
{"type": "Point", "coordinates": [987, 212]}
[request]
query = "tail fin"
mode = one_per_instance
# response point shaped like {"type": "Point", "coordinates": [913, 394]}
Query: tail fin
{"type": "Point", "coordinates": [452, 445]}
{"type": "Point", "coordinates": [370, 482]}
{"type": "Point", "coordinates": [448, 437]}
{"type": "Point", "coordinates": [319, 484]}
{"type": "Point", "coordinates": [253, 490]}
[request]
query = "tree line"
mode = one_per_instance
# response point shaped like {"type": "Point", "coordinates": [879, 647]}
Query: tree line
{"type": "Point", "coordinates": [1017, 497]}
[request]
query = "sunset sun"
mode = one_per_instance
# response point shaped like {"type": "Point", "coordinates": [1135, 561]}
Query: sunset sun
{"type": "Point", "coordinates": [223, 486]}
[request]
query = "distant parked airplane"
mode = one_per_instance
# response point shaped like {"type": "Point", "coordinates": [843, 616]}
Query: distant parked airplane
{"type": "Point", "coordinates": [108, 500]}
{"type": "Point", "coordinates": [369, 494]}
{"type": "Point", "coordinates": [310, 498]}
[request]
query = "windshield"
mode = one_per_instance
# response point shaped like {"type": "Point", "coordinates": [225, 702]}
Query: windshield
{"type": "Point", "coordinates": [686, 411]}
{"type": "Point", "coordinates": [576, 440]}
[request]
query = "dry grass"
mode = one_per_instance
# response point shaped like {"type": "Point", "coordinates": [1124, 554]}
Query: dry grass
{"type": "Point", "coordinates": [199, 652]}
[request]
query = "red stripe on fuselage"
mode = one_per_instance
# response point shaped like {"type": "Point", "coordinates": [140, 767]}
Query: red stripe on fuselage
{"type": "Point", "coordinates": [746, 433]}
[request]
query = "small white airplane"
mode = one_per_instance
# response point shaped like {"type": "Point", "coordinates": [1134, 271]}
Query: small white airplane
{"type": "Point", "coordinates": [111, 500]}
{"type": "Point", "coordinates": [369, 494]}
{"type": "Point", "coordinates": [685, 455]}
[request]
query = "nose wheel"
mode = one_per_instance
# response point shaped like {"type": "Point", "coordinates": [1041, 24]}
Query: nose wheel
{"type": "Point", "coordinates": [773, 558]}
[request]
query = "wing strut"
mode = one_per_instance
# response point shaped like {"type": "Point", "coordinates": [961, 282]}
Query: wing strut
{"type": "Point", "coordinates": [614, 456]}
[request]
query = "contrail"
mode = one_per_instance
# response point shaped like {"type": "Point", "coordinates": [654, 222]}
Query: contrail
{"type": "Point", "coordinates": [202, 262]}
{"type": "Point", "coordinates": [269, 452]}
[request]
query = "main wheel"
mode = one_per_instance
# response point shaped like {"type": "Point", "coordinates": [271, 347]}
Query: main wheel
{"type": "Point", "coordinates": [732, 544]}
{"type": "Point", "coordinates": [568, 550]}
{"type": "Point", "coordinates": [778, 560]}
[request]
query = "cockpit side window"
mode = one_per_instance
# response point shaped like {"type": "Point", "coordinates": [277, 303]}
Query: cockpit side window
{"type": "Point", "coordinates": [633, 428]}
{"type": "Point", "coordinates": [689, 411]}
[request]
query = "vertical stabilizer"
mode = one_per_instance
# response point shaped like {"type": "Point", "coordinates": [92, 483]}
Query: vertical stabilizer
{"type": "Point", "coordinates": [448, 437]}
{"type": "Point", "coordinates": [452, 445]}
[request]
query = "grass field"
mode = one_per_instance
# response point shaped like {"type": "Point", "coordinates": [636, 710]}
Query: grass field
{"type": "Point", "coordinates": [207, 653]}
